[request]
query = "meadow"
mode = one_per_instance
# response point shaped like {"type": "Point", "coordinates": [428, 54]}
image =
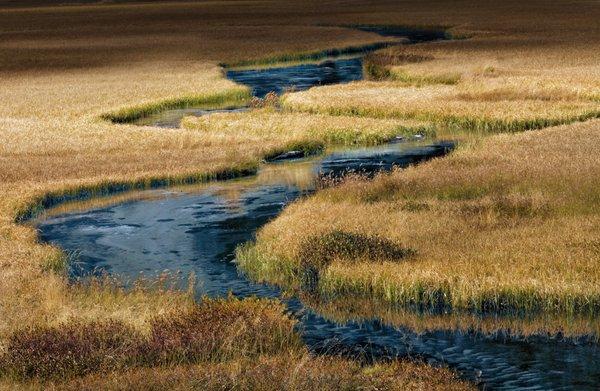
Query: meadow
{"type": "Point", "coordinates": [68, 73]}
{"type": "Point", "coordinates": [506, 224]}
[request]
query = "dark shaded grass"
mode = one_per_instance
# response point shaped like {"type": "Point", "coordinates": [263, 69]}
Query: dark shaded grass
{"type": "Point", "coordinates": [415, 34]}
{"type": "Point", "coordinates": [73, 349]}
{"type": "Point", "coordinates": [317, 253]}
{"type": "Point", "coordinates": [311, 56]}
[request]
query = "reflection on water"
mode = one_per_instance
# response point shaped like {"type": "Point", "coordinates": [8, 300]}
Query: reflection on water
{"type": "Point", "coordinates": [172, 118]}
{"type": "Point", "coordinates": [298, 77]}
{"type": "Point", "coordinates": [198, 231]}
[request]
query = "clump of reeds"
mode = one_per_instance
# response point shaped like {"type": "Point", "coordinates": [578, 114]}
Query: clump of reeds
{"type": "Point", "coordinates": [271, 100]}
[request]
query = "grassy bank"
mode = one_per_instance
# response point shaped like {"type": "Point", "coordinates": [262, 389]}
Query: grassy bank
{"type": "Point", "coordinates": [513, 200]}
{"type": "Point", "coordinates": [490, 83]}
{"type": "Point", "coordinates": [233, 97]}
{"type": "Point", "coordinates": [446, 106]}
{"type": "Point", "coordinates": [280, 132]}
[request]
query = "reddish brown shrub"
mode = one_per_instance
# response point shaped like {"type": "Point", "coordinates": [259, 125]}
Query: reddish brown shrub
{"type": "Point", "coordinates": [214, 330]}
{"type": "Point", "coordinates": [73, 349]}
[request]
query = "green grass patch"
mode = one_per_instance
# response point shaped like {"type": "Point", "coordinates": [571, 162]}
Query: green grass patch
{"type": "Point", "coordinates": [233, 97]}
{"type": "Point", "coordinates": [260, 266]}
{"type": "Point", "coordinates": [311, 55]}
{"type": "Point", "coordinates": [422, 80]}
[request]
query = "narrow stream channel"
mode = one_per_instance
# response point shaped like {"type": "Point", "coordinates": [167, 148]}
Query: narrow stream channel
{"type": "Point", "coordinates": [197, 231]}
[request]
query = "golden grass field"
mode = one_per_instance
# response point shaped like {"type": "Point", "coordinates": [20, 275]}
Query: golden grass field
{"type": "Point", "coordinates": [528, 200]}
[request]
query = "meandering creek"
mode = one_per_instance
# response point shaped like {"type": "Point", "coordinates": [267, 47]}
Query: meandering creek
{"type": "Point", "coordinates": [197, 229]}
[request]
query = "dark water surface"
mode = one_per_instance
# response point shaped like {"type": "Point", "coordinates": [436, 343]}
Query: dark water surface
{"type": "Point", "coordinates": [299, 77]}
{"type": "Point", "coordinates": [197, 230]}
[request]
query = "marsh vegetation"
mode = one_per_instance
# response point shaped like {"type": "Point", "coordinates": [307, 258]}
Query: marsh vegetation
{"type": "Point", "coordinates": [507, 224]}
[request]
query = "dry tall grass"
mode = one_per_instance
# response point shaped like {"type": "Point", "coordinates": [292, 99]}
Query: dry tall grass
{"type": "Point", "coordinates": [482, 84]}
{"type": "Point", "coordinates": [289, 131]}
{"type": "Point", "coordinates": [290, 372]}
{"type": "Point", "coordinates": [508, 224]}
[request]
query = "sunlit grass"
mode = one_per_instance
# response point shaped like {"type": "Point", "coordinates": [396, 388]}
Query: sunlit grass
{"type": "Point", "coordinates": [508, 203]}
{"type": "Point", "coordinates": [445, 105]}
{"type": "Point", "coordinates": [280, 132]}
{"type": "Point", "coordinates": [232, 97]}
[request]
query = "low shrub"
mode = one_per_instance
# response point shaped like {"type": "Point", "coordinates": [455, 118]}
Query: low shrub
{"type": "Point", "coordinates": [215, 330]}
{"type": "Point", "coordinates": [72, 349]}
{"type": "Point", "coordinates": [317, 253]}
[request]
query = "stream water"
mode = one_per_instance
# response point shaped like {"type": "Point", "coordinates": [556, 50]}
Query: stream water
{"type": "Point", "coordinates": [279, 79]}
{"type": "Point", "coordinates": [196, 230]}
